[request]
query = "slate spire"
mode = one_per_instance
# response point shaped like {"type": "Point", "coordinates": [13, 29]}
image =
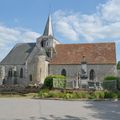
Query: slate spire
{"type": "Point", "coordinates": [48, 28]}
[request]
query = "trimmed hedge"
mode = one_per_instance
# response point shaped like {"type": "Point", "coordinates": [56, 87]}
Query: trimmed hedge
{"type": "Point", "coordinates": [54, 81]}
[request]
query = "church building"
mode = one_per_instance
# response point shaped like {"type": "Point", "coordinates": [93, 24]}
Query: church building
{"type": "Point", "coordinates": [31, 63]}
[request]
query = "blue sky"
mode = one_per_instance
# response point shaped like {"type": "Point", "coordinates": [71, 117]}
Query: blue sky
{"type": "Point", "coordinates": [74, 21]}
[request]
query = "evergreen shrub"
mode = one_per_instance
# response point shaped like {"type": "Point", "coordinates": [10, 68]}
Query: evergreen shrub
{"type": "Point", "coordinates": [54, 81]}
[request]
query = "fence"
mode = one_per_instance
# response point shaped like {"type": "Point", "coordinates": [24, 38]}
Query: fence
{"type": "Point", "coordinates": [111, 84]}
{"type": "Point", "coordinates": [118, 73]}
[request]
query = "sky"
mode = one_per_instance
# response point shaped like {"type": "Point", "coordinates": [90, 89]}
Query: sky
{"type": "Point", "coordinates": [74, 21]}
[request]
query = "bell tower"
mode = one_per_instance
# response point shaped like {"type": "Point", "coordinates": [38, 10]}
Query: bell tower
{"type": "Point", "coordinates": [47, 40]}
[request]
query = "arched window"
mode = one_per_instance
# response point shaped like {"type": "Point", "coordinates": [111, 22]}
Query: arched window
{"type": "Point", "coordinates": [15, 74]}
{"type": "Point", "coordinates": [30, 77]}
{"type": "Point", "coordinates": [21, 73]}
{"type": "Point", "coordinates": [63, 72]}
{"type": "Point", "coordinates": [10, 73]}
{"type": "Point", "coordinates": [4, 82]}
{"type": "Point", "coordinates": [42, 43]}
{"type": "Point", "coordinates": [92, 75]}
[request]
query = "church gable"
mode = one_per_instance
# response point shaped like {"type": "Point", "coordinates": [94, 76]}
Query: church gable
{"type": "Point", "coordinates": [95, 53]}
{"type": "Point", "coordinates": [19, 54]}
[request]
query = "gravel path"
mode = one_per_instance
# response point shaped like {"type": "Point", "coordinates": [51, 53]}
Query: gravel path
{"type": "Point", "coordinates": [31, 109]}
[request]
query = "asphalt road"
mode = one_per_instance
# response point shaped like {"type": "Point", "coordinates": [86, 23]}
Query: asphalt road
{"type": "Point", "coordinates": [31, 109]}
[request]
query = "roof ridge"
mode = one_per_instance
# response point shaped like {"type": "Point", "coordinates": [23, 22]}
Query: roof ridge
{"type": "Point", "coordinates": [88, 43]}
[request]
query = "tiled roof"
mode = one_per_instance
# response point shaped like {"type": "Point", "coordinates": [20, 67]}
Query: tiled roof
{"type": "Point", "coordinates": [95, 53]}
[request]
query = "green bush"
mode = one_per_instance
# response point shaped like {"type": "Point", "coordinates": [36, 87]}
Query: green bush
{"type": "Point", "coordinates": [112, 95]}
{"type": "Point", "coordinates": [84, 94]}
{"type": "Point", "coordinates": [118, 94]}
{"type": "Point", "coordinates": [43, 94]}
{"type": "Point", "coordinates": [91, 95]}
{"type": "Point", "coordinates": [107, 94]}
{"type": "Point", "coordinates": [111, 78]}
{"type": "Point", "coordinates": [78, 95]}
{"type": "Point", "coordinates": [68, 95]}
{"type": "Point", "coordinates": [55, 94]}
{"type": "Point", "coordinates": [99, 94]}
{"type": "Point", "coordinates": [48, 83]}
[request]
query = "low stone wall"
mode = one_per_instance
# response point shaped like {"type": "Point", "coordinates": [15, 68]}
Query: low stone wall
{"type": "Point", "coordinates": [11, 88]}
{"type": "Point", "coordinates": [18, 89]}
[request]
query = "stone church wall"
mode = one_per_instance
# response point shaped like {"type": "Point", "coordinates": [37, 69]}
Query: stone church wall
{"type": "Point", "coordinates": [17, 68]}
{"type": "Point", "coordinates": [38, 68]}
{"type": "Point", "coordinates": [100, 70]}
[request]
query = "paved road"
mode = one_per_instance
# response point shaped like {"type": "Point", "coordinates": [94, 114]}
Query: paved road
{"type": "Point", "coordinates": [30, 109]}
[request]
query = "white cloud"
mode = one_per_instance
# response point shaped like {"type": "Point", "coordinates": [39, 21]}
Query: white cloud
{"type": "Point", "coordinates": [67, 30]}
{"type": "Point", "coordinates": [110, 10]}
{"type": "Point", "coordinates": [101, 25]}
{"type": "Point", "coordinates": [10, 36]}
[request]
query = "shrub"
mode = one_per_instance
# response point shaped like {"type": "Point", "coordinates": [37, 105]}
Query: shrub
{"type": "Point", "coordinates": [78, 95]}
{"type": "Point", "coordinates": [112, 95]}
{"type": "Point", "coordinates": [55, 94]}
{"type": "Point", "coordinates": [91, 95]}
{"type": "Point", "coordinates": [111, 78]}
{"type": "Point", "coordinates": [68, 95]}
{"type": "Point", "coordinates": [48, 83]}
{"type": "Point", "coordinates": [118, 94]}
{"type": "Point", "coordinates": [107, 94]}
{"type": "Point", "coordinates": [43, 94]}
{"type": "Point", "coordinates": [99, 94]}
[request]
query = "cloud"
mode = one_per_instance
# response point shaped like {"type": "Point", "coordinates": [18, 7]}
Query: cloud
{"type": "Point", "coordinates": [10, 36]}
{"type": "Point", "coordinates": [102, 25]}
{"type": "Point", "coordinates": [110, 10]}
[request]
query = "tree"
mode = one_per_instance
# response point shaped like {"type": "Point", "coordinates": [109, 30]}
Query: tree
{"type": "Point", "coordinates": [118, 65]}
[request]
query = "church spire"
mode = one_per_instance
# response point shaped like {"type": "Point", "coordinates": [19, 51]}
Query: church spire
{"type": "Point", "coordinates": [48, 28]}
